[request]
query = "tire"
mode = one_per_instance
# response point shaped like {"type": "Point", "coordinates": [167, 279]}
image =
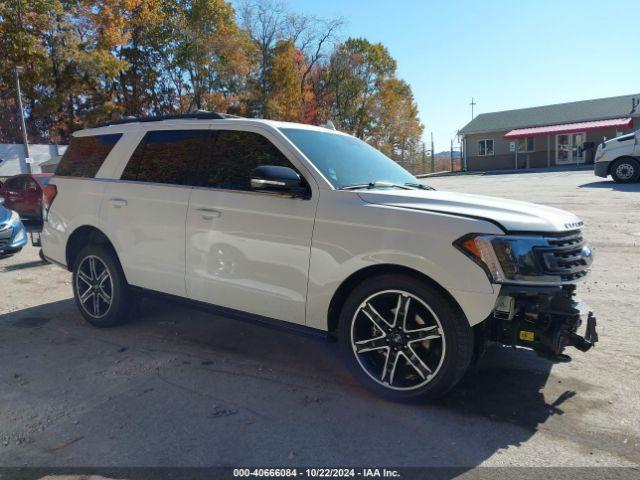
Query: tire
{"type": "Point", "coordinates": [432, 351]}
{"type": "Point", "coordinates": [90, 283]}
{"type": "Point", "coordinates": [625, 170]}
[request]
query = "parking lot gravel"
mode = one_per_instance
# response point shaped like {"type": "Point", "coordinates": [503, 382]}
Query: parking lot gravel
{"type": "Point", "coordinates": [182, 387]}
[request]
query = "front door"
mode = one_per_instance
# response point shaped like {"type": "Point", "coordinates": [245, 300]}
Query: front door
{"type": "Point", "coordinates": [569, 148]}
{"type": "Point", "coordinates": [248, 250]}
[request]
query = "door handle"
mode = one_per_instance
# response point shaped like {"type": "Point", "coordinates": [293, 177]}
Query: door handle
{"type": "Point", "coordinates": [118, 202]}
{"type": "Point", "coordinates": [208, 213]}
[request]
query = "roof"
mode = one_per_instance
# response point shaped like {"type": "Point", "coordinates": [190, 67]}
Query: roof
{"type": "Point", "coordinates": [570, 128]}
{"type": "Point", "coordinates": [197, 115]}
{"type": "Point", "coordinates": [586, 110]}
{"type": "Point", "coordinates": [149, 123]}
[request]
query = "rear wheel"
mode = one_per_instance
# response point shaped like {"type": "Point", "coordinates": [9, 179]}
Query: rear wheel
{"type": "Point", "coordinates": [625, 170]}
{"type": "Point", "coordinates": [99, 287]}
{"type": "Point", "coordinates": [404, 339]}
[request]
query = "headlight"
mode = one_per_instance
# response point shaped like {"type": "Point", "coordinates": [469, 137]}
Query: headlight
{"type": "Point", "coordinates": [20, 236]}
{"type": "Point", "coordinates": [507, 259]}
{"type": "Point", "coordinates": [14, 219]}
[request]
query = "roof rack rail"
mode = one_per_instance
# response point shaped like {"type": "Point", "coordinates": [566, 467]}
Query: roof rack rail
{"type": "Point", "coordinates": [196, 115]}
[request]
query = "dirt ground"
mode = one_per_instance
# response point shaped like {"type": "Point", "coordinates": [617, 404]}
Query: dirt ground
{"type": "Point", "coordinates": [179, 387]}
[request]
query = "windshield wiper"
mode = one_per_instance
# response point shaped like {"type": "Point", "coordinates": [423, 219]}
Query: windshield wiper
{"type": "Point", "coordinates": [371, 185]}
{"type": "Point", "coordinates": [420, 186]}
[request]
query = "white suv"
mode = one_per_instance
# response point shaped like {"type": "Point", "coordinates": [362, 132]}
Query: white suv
{"type": "Point", "coordinates": [311, 229]}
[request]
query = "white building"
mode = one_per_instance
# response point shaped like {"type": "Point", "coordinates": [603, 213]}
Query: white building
{"type": "Point", "coordinates": [12, 158]}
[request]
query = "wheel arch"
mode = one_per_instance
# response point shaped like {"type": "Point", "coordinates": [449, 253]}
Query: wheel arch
{"type": "Point", "coordinates": [347, 286]}
{"type": "Point", "coordinates": [83, 236]}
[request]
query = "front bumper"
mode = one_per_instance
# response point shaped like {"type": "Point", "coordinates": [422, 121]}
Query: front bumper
{"type": "Point", "coordinates": [601, 169]}
{"type": "Point", "coordinates": [546, 320]}
{"type": "Point", "coordinates": [14, 239]}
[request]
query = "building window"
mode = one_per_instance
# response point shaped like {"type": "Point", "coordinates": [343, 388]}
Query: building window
{"type": "Point", "coordinates": [485, 147]}
{"type": "Point", "coordinates": [525, 144]}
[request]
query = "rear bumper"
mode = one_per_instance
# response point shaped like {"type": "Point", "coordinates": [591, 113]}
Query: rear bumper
{"type": "Point", "coordinates": [601, 169]}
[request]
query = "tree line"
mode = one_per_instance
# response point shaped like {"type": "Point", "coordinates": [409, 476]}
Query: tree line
{"type": "Point", "coordinates": [87, 61]}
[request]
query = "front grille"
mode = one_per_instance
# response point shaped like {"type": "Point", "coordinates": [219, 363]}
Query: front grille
{"type": "Point", "coordinates": [567, 256]}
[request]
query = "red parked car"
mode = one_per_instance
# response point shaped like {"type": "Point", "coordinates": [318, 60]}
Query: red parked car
{"type": "Point", "coordinates": [23, 193]}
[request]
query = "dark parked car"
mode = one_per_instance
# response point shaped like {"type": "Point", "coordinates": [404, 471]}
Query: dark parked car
{"type": "Point", "coordinates": [23, 193]}
{"type": "Point", "coordinates": [13, 235]}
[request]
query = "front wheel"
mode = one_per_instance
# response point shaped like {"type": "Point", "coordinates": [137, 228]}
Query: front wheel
{"type": "Point", "coordinates": [625, 170]}
{"type": "Point", "coordinates": [99, 287]}
{"type": "Point", "coordinates": [405, 339]}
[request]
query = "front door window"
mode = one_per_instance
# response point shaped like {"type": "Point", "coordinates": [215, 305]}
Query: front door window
{"type": "Point", "coordinates": [577, 152]}
{"type": "Point", "coordinates": [562, 149]}
{"type": "Point", "coordinates": [569, 148]}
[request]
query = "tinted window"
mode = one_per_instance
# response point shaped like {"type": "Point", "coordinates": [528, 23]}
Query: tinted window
{"type": "Point", "coordinates": [167, 156]}
{"type": "Point", "coordinates": [345, 160]}
{"type": "Point", "coordinates": [235, 154]}
{"type": "Point", "coordinates": [85, 155]}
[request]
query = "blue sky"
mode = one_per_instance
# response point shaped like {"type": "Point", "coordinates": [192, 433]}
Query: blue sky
{"type": "Point", "coordinates": [506, 54]}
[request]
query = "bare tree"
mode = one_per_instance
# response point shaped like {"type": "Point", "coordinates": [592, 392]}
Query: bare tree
{"type": "Point", "coordinates": [269, 21]}
{"type": "Point", "coordinates": [314, 41]}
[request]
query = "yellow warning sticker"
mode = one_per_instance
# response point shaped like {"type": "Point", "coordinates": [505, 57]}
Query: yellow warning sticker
{"type": "Point", "coordinates": [526, 336]}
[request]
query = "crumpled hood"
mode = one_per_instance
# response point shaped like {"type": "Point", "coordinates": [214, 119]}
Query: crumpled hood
{"type": "Point", "coordinates": [512, 215]}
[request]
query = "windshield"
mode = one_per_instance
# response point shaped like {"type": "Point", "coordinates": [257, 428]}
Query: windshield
{"type": "Point", "coordinates": [347, 161]}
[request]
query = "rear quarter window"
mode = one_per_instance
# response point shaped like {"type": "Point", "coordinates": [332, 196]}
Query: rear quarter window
{"type": "Point", "coordinates": [85, 155]}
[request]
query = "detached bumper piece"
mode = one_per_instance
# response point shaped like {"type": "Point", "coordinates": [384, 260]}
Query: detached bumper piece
{"type": "Point", "coordinates": [545, 320]}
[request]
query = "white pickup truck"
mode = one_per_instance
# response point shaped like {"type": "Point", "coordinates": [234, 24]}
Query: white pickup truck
{"type": "Point", "coordinates": [620, 158]}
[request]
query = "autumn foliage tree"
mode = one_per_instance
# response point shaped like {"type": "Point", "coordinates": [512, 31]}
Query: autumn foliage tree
{"type": "Point", "coordinates": [86, 61]}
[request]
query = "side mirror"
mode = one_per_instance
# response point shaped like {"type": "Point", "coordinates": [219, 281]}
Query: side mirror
{"type": "Point", "coordinates": [278, 179]}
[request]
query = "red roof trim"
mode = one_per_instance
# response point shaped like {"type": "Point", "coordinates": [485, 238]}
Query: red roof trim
{"type": "Point", "coordinates": [569, 128]}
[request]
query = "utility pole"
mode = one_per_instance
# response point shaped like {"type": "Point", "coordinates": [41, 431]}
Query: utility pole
{"type": "Point", "coordinates": [433, 156]}
{"type": "Point", "coordinates": [451, 157]}
{"type": "Point", "coordinates": [19, 91]}
{"type": "Point", "coordinates": [24, 127]}
{"type": "Point", "coordinates": [473, 104]}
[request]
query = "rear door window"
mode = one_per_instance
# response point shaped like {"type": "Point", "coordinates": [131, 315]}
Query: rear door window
{"type": "Point", "coordinates": [167, 156]}
{"type": "Point", "coordinates": [85, 155]}
{"type": "Point", "coordinates": [234, 154]}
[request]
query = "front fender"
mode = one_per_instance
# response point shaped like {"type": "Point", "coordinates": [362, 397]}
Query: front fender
{"type": "Point", "coordinates": [380, 235]}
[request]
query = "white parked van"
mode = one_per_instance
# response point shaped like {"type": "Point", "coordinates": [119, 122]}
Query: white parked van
{"type": "Point", "coordinates": [620, 158]}
{"type": "Point", "coordinates": [311, 229]}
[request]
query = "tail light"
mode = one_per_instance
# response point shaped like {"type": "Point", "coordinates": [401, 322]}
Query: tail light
{"type": "Point", "coordinates": [48, 195]}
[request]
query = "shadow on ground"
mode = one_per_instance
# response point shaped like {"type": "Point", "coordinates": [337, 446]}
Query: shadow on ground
{"type": "Point", "coordinates": [181, 387]}
{"type": "Point", "coordinates": [611, 185]}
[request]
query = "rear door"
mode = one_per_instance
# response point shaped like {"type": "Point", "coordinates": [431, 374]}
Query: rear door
{"type": "Point", "coordinates": [145, 211]}
{"type": "Point", "coordinates": [249, 250]}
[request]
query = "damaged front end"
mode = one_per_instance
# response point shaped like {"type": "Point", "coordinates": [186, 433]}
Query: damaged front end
{"type": "Point", "coordinates": [537, 276]}
{"type": "Point", "coordinates": [545, 320]}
